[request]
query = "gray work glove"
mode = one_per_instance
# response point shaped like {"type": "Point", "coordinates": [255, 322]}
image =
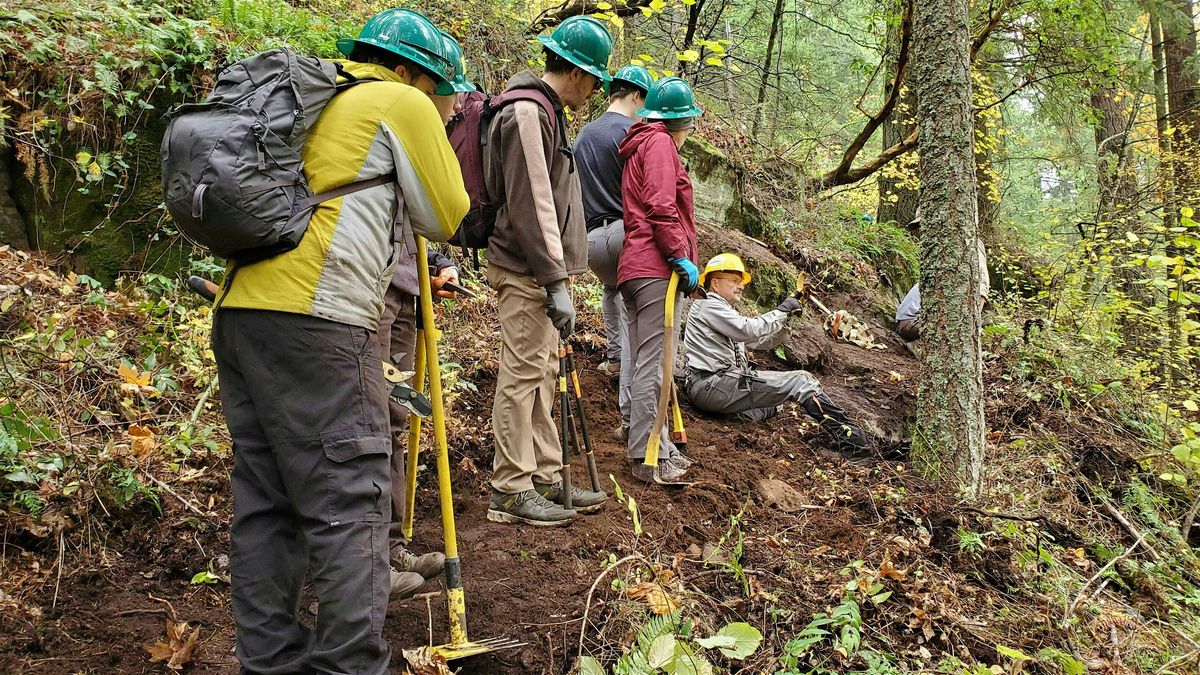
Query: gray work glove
{"type": "Point", "coordinates": [560, 308]}
{"type": "Point", "coordinates": [790, 306]}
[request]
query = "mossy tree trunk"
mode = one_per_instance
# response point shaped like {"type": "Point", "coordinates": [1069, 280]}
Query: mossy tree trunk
{"type": "Point", "coordinates": [949, 437]}
{"type": "Point", "coordinates": [897, 192]}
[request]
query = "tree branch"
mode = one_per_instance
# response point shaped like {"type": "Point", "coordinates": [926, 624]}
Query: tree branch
{"type": "Point", "coordinates": [555, 15]}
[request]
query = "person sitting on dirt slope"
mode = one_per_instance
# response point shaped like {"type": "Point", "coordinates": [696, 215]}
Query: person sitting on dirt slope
{"type": "Point", "coordinates": [397, 336]}
{"type": "Point", "coordinates": [600, 177]}
{"type": "Point", "coordinates": [301, 385]}
{"type": "Point", "coordinates": [660, 240]}
{"type": "Point", "coordinates": [908, 313]}
{"type": "Point", "coordinates": [719, 377]}
{"type": "Point", "coordinates": [539, 242]}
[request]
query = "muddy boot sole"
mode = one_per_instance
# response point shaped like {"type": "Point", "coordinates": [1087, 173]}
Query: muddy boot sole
{"type": "Point", "coordinates": [497, 516]}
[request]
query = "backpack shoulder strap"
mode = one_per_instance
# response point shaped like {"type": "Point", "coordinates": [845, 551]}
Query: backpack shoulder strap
{"type": "Point", "coordinates": [525, 94]}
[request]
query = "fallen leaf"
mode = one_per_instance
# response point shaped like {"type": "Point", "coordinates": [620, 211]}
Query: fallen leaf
{"type": "Point", "coordinates": [424, 661]}
{"type": "Point", "coordinates": [180, 647]}
{"type": "Point", "coordinates": [141, 440]}
{"type": "Point", "coordinates": [654, 595]}
{"type": "Point", "coordinates": [131, 376]}
{"type": "Point", "coordinates": [893, 376]}
{"type": "Point", "coordinates": [889, 571]}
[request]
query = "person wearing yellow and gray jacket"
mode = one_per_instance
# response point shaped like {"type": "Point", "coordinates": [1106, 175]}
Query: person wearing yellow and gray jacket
{"type": "Point", "coordinates": [299, 364]}
{"type": "Point", "coordinates": [720, 378]}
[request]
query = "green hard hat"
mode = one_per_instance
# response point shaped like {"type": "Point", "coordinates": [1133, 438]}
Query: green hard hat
{"type": "Point", "coordinates": [459, 83]}
{"type": "Point", "coordinates": [584, 41]}
{"type": "Point", "coordinates": [670, 98]}
{"type": "Point", "coordinates": [635, 75]}
{"type": "Point", "coordinates": [408, 34]}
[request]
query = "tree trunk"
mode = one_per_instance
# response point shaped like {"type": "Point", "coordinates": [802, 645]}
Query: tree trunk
{"type": "Point", "coordinates": [776, 18]}
{"type": "Point", "coordinates": [987, 122]}
{"type": "Point", "coordinates": [1179, 49]}
{"type": "Point", "coordinates": [898, 186]}
{"type": "Point", "coordinates": [948, 441]}
{"type": "Point", "coordinates": [1116, 184]}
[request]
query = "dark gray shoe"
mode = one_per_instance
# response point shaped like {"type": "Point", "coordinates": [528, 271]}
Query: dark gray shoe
{"type": "Point", "coordinates": [404, 584]}
{"type": "Point", "coordinates": [681, 462]}
{"type": "Point", "coordinates": [527, 507]}
{"type": "Point", "coordinates": [582, 501]}
{"type": "Point", "coordinates": [428, 566]}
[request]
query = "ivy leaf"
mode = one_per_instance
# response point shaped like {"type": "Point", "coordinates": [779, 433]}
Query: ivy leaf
{"type": "Point", "coordinates": [1014, 654]}
{"type": "Point", "coordinates": [662, 651]}
{"type": "Point", "coordinates": [590, 666]}
{"type": "Point", "coordinates": [736, 640]}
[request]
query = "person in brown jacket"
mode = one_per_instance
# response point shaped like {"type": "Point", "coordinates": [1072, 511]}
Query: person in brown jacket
{"type": "Point", "coordinates": [539, 242]}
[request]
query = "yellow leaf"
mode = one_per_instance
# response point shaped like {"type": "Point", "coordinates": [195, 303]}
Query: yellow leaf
{"type": "Point", "coordinates": [734, 67]}
{"type": "Point", "coordinates": [657, 6]}
{"type": "Point", "coordinates": [94, 169]}
{"type": "Point", "coordinates": [653, 595]}
{"type": "Point", "coordinates": [603, 5]}
{"type": "Point", "coordinates": [141, 440]}
{"type": "Point", "coordinates": [690, 56]}
{"type": "Point", "coordinates": [83, 158]}
{"type": "Point", "coordinates": [1133, 238]}
{"type": "Point", "coordinates": [637, 62]}
{"type": "Point", "coordinates": [646, 11]}
{"type": "Point", "coordinates": [646, 57]}
{"type": "Point", "coordinates": [713, 61]}
{"type": "Point", "coordinates": [1191, 405]}
{"type": "Point", "coordinates": [1187, 211]}
{"type": "Point", "coordinates": [617, 21]}
{"type": "Point", "coordinates": [130, 376]}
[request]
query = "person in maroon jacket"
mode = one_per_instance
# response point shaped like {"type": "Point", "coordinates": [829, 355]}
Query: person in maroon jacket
{"type": "Point", "coordinates": [660, 238]}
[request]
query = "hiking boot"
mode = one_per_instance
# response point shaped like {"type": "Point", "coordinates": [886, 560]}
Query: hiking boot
{"type": "Point", "coordinates": [610, 367]}
{"type": "Point", "coordinates": [681, 462]}
{"type": "Point", "coordinates": [621, 433]}
{"type": "Point", "coordinates": [404, 584]}
{"type": "Point", "coordinates": [582, 501]}
{"type": "Point", "coordinates": [428, 566]}
{"type": "Point", "coordinates": [527, 507]}
{"type": "Point", "coordinates": [848, 438]}
{"type": "Point", "coordinates": [665, 472]}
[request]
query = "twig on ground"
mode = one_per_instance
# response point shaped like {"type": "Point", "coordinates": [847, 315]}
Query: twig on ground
{"type": "Point", "coordinates": [588, 604]}
{"type": "Point", "coordinates": [145, 610]}
{"type": "Point", "coordinates": [1074, 603]}
{"type": "Point", "coordinates": [1195, 653]}
{"type": "Point", "coordinates": [174, 494]}
{"type": "Point", "coordinates": [1120, 518]}
{"type": "Point", "coordinates": [174, 616]}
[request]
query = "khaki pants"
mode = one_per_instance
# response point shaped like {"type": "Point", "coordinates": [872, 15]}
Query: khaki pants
{"type": "Point", "coordinates": [527, 445]}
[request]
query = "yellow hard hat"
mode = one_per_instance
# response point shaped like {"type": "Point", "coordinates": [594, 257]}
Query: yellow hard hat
{"type": "Point", "coordinates": [725, 262]}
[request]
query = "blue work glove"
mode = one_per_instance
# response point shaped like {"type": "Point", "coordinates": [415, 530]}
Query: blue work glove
{"type": "Point", "coordinates": [689, 276]}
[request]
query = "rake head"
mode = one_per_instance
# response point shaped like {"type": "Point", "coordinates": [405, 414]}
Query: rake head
{"type": "Point", "coordinates": [475, 647]}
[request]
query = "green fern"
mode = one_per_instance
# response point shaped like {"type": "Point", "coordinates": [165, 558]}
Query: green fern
{"type": "Point", "coordinates": [635, 662]}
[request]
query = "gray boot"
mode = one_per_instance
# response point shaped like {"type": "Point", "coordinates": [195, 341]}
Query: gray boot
{"type": "Point", "coordinates": [428, 566]}
{"type": "Point", "coordinates": [666, 471]}
{"type": "Point", "coordinates": [582, 501]}
{"type": "Point", "coordinates": [404, 584]}
{"type": "Point", "coordinates": [527, 507]}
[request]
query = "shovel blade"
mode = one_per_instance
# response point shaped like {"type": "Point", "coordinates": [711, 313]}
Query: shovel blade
{"type": "Point", "coordinates": [475, 647]}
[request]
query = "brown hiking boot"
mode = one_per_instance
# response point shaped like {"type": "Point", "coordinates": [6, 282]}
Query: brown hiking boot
{"type": "Point", "coordinates": [404, 584]}
{"type": "Point", "coordinates": [527, 507]}
{"type": "Point", "coordinates": [428, 566]}
{"type": "Point", "coordinates": [582, 501]}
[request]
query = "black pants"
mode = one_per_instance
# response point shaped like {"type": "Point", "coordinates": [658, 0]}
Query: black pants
{"type": "Point", "coordinates": [306, 406]}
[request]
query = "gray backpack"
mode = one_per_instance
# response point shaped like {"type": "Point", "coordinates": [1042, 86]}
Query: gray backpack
{"type": "Point", "coordinates": [232, 175]}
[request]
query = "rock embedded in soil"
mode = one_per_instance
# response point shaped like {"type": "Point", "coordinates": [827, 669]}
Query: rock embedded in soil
{"type": "Point", "coordinates": [774, 492]}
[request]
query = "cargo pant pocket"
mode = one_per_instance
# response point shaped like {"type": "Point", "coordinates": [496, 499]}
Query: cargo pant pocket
{"type": "Point", "coordinates": [357, 471]}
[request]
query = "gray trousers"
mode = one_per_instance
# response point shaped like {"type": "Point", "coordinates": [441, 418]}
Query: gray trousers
{"type": "Point", "coordinates": [756, 395]}
{"type": "Point", "coordinates": [306, 406]}
{"type": "Point", "coordinates": [645, 306]}
{"type": "Point", "coordinates": [604, 252]}
{"type": "Point", "coordinates": [398, 335]}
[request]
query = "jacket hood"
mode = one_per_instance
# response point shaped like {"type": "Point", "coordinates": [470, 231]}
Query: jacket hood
{"type": "Point", "coordinates": [639, 134]}
{"type": "Point", "coordinates": [527, 79]}
{"type": "Point", "coordinates": [370, 71]}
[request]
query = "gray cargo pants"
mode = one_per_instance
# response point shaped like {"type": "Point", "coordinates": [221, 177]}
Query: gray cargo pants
{"type": "Point", "coordinates": [306, 406]}
{"type": "Point", "coordinates": [645, 306]}
{"type": "Point", "coordinates": [757, 395]}
{"type": "Point", "coordinates": [604, 252]}
{"type": "Point", "coordinates": [398, 335]}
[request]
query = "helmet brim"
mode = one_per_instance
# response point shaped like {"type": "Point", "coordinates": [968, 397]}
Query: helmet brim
{"type": "Point", "coordinates": [552, 44]}
{"type": "Point", "coordinates": [649, 114]}
{"type": "Point", "coordinates": [416, 56]}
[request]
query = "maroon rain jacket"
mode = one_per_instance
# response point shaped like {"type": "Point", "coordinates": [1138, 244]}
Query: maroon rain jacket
{"type": "Point", "coordinates": [660, 221]}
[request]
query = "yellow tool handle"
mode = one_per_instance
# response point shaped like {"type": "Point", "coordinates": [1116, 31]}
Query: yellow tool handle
{"type": "Point", "coordinates": [414, 438]}
{"type": "Point", "coordinates": [664, 396]}
{"type": "Point", "coordinates": [680, 434]}
{"type": "Point", "coordinates": [457, 604]}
